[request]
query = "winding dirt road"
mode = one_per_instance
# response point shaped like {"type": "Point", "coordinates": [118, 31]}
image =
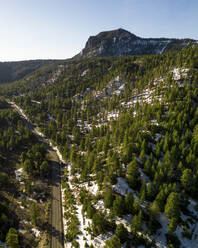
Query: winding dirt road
{"type": "Point", "coordinates": [57, 234]}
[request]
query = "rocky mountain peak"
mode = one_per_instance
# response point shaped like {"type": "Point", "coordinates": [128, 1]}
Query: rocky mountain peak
{"type": "Point", "coordinates": [108, 37]}
{"type": "Point", "coordinates": [121, 42]}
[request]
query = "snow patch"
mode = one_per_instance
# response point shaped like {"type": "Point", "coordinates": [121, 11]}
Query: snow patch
{"type": "Point", "coordinates": [158, 136]}
{"type": "Point", "coordinates": [122, 187]}
{"type": "Point", "coordinates": [18, 174]}
{"type": "Point", "coordinates": [34, 101]}
{"type": "Point", "coordinates": [84, 224]}
{"type": "Point", "coordinates": [36, 232]}
{"type": "Point", "coordinates": [192, 226]}
{"type": "Point", "coordinates": [91, 188]}
{"type": "Point", "coordinates": [120, 89]}
{"type": "Point", "coordinates": [100, 240]}
{"type": "Point", "coordinates": [51, 118]}
{"type": "Point", "coordinates": [100, 206]}
{"type": "Point", "coordinates": [165, 46]}
{"type": "Point", "coordinates": [113, 115]}
{"type": "Point", "coordinates": [179, 73]}
{"type": "Point", "coordinates": [125, 220]}
{"type": "Point", "coordinates": [84, 72]}
{"type": "Point", "coordinates": [144, 177]}
{"type": "Point", "coordinates": [3, 244]}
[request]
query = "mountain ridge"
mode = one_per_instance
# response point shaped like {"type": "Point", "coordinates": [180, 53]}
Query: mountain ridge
{"type": "Point", "coordinates": [120, 42]}
{"type": "Point", "coordinates": [16, 70]}
{"type": "Point", "coordinates": [127, 129]}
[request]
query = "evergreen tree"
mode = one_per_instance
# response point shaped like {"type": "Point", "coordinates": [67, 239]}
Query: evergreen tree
{"type": "Point", "coordinates": [12, 239]}
{"type": "Point", "coordinates": [34, 214]}
{"type": "Point", "coordinates": [129, 202]}
{"type": "Point", "coordinates": [172, 225]}
{"type": "Point", "coordinates": [118, 207]}
{"type": "Point", "coordinates": [172, 206]}
{"type": "Point", "coordinates": [136, 224]}
{"type": "Point", "coordinates": [113, 242]}
{"type": "Point", "coordinates": [133, 174]}
{"type": "Point", "coordinates": [108, 198]}
{"type": "Point", "coordinates": [186, 179]}
{"type": "Point", "coordinates": [121, 233]}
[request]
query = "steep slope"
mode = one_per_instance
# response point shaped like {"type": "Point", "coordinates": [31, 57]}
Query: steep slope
{"type": "Point", "coordinates": [127, 130]}
{"type": "Point", "coordinates": [121, 43]}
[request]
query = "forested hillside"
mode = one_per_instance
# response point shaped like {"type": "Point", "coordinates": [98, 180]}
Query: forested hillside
{"type": "Point", "coordinates": [12, 71]}
{"type": "Point", "coordinates": [24, 183]}
{"type": "Point", "coordinates": [127, 128]}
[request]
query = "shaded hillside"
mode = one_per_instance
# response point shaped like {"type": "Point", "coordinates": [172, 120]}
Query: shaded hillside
{"type": "Point", "coordinates": [11, 71]}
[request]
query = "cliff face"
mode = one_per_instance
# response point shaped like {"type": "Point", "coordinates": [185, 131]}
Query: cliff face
{"type": "Point", "coordinates": [121, 43]}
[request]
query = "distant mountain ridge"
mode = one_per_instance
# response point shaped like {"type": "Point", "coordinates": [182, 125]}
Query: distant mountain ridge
{"type": "Point", "coordinates": [117, 42]}
{"type": "Point", "coordinates": [120, 42]}
{"type": "Point", "coordinates": [11, 71]}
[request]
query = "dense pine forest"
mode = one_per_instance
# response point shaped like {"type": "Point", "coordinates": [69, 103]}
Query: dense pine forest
{"type": "Point", "coordinates": [127, 131]}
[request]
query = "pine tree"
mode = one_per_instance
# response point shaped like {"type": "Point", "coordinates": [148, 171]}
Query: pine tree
{"type": "Point", "coordinates": [136, 206]}
{"type": "Point", "coordinates": [172, 225]}
{"type": "Point", "coordinates": [118, 208]}
{"type": "Point", "coordinates": [34, 213]}
{"type": "Point", "coordinates": [121, 233]}
{"type": "Point", "coordinates": [113, 242]}
{"type": "Point", "coordinates": [133, 174]}
{"type": "Point", "coordinates": [108, 198]}
{"type": "Point", "coordinates": [172, 206]}
{"type": "Point", "coordinates": [136, 224]}
{"type": "Point", "coordinates": [154, 209]}
{"type": "Point", "coordinates": [129, 202]}
{"type": "Point", "coordinates": [12, 239]}
{"type": "Point", "coordinates": [186, 179]}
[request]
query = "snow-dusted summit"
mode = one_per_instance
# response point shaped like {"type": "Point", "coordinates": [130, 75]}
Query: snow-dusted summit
{"type": "Point", "coordinates": [120, 42]}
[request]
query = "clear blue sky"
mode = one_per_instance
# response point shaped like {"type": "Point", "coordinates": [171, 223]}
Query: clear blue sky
{"type": "Point", "coordinates": [34, 29]}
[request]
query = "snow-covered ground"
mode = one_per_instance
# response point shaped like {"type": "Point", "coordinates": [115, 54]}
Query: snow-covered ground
{"type": "Point", "coordinates": [36, 232]}
{"type": "Point", "coordinates": [37, 131]}
{"type": "Point", "coordinates": [84, 72]}
{"type": "Point", "coordinates": [18, 174]}
{"type": "Point", "coordinates": [179, 73]}
{"type": "Point", "coordinates": [51, 118]}
{"type": "Point", "coordinates": [84, 224]}
{"type": "Point", "coordinates": [122, 187]}
{"type": "Point", "coordinates": [147, 96]}
{"type": "Point", "coordinates": [192, 227]}
{"type": "Point", "coordinates": [3, 244]}
{"type": "Point", "coordinates": [91, 187]}
{"type": "Point", "coordinates": [19, 110]}
{"type": "Point", "coordinates": [154, 122]}
{"type": "Point", "coordinates": [166, 42]}
{"type": "Point", "coordinates": [34, 101]}
{"type": "Point", "coordinates": [100, 206]}
{"type": "Point", "coordinates": [125, 220]}
{"type": "Point", "coordinates": [84, 237]}
{"type": "Point", "coordinates": [160, 238]}
{"type": "Point", "coordinates": [119, 90]}
{"type": "Point", "coordinates": [112, 115]}
{"type": "Point", "coordinates": [99, 241]}
{"type": "Point", "coordinates": [63, 210]}
{"type": "Point", "coordinates": [56, 74]}
{"type": "Point", "coordinates": [158, 136]}
{"type": "Point", "coordinates": [143, 176]}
